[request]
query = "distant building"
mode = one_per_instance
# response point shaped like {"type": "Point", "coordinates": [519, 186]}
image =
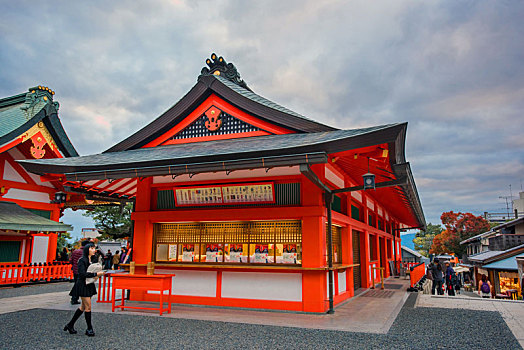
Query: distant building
{"type": "Point", "coordinates": [410, 255]}
{"type": "Point", "coordinates": [502, 237]}
{"type": "Point", "coordinates": [90, 233]}
{"type": "Point", "coordinates": [494, 253]}
{"type": "Point", "coordinates": [501, 268]}
{"type": "Point", "coordinates": [518, 205]}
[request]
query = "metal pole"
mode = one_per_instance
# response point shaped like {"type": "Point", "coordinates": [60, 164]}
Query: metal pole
{"type": "Point", "coordinates": [394, 251]}
{"type": "Point", "coordinates": [329, 199]}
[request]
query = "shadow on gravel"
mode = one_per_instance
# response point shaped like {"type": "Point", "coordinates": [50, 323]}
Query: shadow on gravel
{"type": "Point", "coordinates": [420, 328]}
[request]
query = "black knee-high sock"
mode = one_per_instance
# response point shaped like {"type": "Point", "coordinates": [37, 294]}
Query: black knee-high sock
{"type": "Point", "coordinates": [77, 314]}
{"type": "Point", "coordinates": [88, 320]}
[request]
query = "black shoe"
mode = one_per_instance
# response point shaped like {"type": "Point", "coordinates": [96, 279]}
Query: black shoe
{"type": "Point", "coordinates": [90, 333]}
{"type": "Point", "coordinates": [69, 328]}
{"type": "Point", "coordinates": [75, 302]}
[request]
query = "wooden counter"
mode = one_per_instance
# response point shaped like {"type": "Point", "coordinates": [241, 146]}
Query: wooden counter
{"type": "Point", "coordinates": [246, 266]}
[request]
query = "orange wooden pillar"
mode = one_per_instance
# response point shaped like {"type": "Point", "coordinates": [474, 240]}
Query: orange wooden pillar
{"type": "Point", "coordinates": [375, 275]}
{"type": "Point", "coordinates": [313, 255]}
{"type": "Point", "coordinates": [143, 229]}
{"type": "Point", "coordinates": [387, 243]}
{"type": "Point", "coordinates": [384, 255]}
{"type": "Point", "coordinates": [314, 293]}
{"type": "Point", "coordinates": [52, 244]}
{"type": "Point", "coordinates": [347, 257]}
{"type": "Point", "coordinates": [364, 259]}
{"type": "Point", "coordinates": [142, 232]}
{"type": "Point", "coordinates": [27, 253]}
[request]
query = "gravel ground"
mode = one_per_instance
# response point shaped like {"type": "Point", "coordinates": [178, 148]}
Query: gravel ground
{"type": "Point", "coordinates": [41, 329]}
{"type": "Point", "coordinates": [31, 289]}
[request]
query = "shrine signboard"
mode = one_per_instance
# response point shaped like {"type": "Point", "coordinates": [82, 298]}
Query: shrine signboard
{"type": "Point", "coordinates": [225, 194]}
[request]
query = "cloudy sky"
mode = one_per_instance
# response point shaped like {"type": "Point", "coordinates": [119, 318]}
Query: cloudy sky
{"type": "Point", "coordinates": [452, 69]}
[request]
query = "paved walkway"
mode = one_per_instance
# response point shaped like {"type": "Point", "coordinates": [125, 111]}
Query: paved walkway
{"type": "Point", "coordinates": [511, 311]}
{"type": "Point", "coordinates": [373, 311]}
{"type": "Point", "coordinates": [36, 301]}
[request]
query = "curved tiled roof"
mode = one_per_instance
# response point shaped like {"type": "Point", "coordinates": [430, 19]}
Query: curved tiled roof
{"type": "Point", "coordinates": [21, 112]}
{"type": "Point", "coordinates": [15, 218]}
{"type": "Point", "coordinates": [329, 141]}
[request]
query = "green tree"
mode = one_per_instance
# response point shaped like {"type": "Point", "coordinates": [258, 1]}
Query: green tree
{"type": "Point", "coordinates": [112, 221]}
{"type": "Point", "coordinates": [424, 240]}
{"type": "Point", "coordinates": [62, 240]}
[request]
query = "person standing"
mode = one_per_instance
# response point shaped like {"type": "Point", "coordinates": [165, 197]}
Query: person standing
{"type": "Point", "coordinates": [450, 279]}
{"type": "Point", "coordinates": [123, 255]}
{"type": "Point", "coordinates": [64, 255]}
{"type": "Point", "coordinates": [116, 260]}
{"type": "Point", "coordinates": [84, 291]}
{"type": "Point", "coordinates": [438, 279]}
{"type": "Point", "coordinates": [75, 256]}
{"type": "Point", "coordinates": [484, 287]}
{"type": "Point", "coordinates": [108, 260]}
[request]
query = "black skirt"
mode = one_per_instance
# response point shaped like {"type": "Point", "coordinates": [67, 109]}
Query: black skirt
{"type": "Point", "coordinates": [81, 289]}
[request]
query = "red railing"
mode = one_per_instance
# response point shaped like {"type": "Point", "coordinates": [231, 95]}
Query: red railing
{"type": "Point", "coordinates": [37, 272]}
{"type": "Point", "coordinates": [105, 289]}
{"type": "Point", "coordinates": [416, 273]}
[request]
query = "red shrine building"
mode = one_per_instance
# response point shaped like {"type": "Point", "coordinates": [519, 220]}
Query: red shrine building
{"type": "Point", "coordinates": [29, 209]}
{"type": "Point", "coordinates": [251, 204]}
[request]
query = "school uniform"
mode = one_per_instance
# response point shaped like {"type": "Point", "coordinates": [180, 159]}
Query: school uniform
{"type": "Point", "coordinates": [81, 289]}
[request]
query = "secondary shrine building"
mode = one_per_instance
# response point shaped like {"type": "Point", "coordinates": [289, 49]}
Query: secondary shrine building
{"type": "Point", "coordinates": [237, 195]}
{"type": "Point", "coordinates": [29, 212]}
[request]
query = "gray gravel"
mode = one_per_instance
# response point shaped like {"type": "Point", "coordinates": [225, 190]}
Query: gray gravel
{"type": "Point", "coordinates": [420, 328]}
{"type": "Point", "coordinates": [31, 289]}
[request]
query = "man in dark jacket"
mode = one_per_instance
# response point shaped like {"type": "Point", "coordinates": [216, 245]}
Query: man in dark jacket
{"type": "Point", "coordinates": [108, 260]}
{"type": "Point", "coordinates": [75, 256]}
{"type": "Point", "coordinates": [438, 277]}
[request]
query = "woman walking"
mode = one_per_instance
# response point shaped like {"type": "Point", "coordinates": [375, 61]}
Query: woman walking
{"type": "Point", "coordinates": [84, 291]}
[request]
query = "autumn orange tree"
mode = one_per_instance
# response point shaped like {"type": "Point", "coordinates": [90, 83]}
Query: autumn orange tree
{"type": "Point", "coordinates": [459, 226]}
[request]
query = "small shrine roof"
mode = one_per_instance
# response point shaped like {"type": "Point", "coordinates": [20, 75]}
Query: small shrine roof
{"type": "Point", "coordinates": [15, 218]}
{"type": "Point", "coordinates": [20, 112]}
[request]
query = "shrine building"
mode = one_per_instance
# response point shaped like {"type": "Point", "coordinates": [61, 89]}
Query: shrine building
{"type": "Point", "coordinates": [251, 204]}
{"type": "Point", "coordinates": [29, 208]}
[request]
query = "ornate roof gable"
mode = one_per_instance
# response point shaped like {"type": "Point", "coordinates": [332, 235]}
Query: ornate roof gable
{"type": "Point", "coordinates": [212, 123]}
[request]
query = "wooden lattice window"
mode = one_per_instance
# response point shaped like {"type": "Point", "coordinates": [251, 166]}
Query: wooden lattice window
{"type": "Point", "coordinates": [337, 243]}
{"type": "Point", "coordinates": [277, 241]}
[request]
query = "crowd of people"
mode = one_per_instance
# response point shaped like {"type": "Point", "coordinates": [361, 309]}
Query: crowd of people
{"type": "Point", "coordinates": [443, 278]}
{"type": "Point", "coordinates": [108, 261]}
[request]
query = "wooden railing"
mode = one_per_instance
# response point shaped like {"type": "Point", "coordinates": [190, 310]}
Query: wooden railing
{"type": "Point", "coordinates": [416, 273]}
{"type": "Point", "coordinates": [37, 272]}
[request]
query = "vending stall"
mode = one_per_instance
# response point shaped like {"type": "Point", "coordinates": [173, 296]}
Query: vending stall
{"type": "Point", "coordinates": [253, 205]}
